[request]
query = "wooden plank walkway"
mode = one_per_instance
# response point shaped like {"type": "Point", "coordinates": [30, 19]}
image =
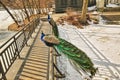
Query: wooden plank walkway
{"type": "Point", "coordinates": [35, 67]}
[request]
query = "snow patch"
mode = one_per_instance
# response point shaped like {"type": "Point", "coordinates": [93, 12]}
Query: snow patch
{"type": "Point", "coordinates": [91, 8]}
{"type": "Point", "coordinates": [112, 5]}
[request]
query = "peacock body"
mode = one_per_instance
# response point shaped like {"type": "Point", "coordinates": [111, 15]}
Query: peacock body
{"type": "Point", "coordinates": [49, 40]}
{"type": "Point", "coordinates": [77, 56]}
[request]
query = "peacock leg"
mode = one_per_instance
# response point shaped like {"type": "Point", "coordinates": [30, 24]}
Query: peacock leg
{"type": "Point", "coordinates": [51, 50]}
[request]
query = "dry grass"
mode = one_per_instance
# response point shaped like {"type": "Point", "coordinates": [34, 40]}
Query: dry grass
{"type": "Point", "coordinates": [73, 18]}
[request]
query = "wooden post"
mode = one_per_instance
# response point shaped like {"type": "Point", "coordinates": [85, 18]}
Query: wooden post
{"type": "Point", "coordinates": [51, 64]}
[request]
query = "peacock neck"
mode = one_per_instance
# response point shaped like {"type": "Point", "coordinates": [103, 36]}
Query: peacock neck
{"type": "Point", "coordinates": [42, 36]}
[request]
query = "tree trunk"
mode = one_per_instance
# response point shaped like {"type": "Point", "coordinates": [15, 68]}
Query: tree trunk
{"type": "Point", "coordinates": [29, 6]}
{"type": "Point", "coordinates": [33, 6]}
{"type": "Point", "coordinates": [39, 6]}
{"type": "Point", "coordinates": [36, 7]}
{"type": "Point", "coordinates": [26, 11]}
{"type": "Point", "coordinates": [84, 12]}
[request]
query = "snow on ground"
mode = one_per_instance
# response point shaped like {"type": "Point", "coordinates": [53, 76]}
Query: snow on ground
{"type": "Point", "coordinates": [112, 5]}
{"type": "Point", "coordinates": [101, 43]}
{"type": "Point", "coordinates": [92, 8]}
{"type": "Point", "coordinates": [5, 20]}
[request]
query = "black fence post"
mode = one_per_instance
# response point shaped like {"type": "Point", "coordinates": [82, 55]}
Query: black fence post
{"type": "Point", "coordinates": [25, 37]}
{"type": "Point", "coordinates": [2, 72]}
{"type": "Point", "coordinates": [61, 75]}
{"type": "Point", "coordinates": [16, 48]}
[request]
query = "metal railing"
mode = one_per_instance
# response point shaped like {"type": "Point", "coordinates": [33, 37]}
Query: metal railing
{"type": "Point", "coordinates": [11, 49]}
{"type": "Point", "coordinates": [56, 71]}
{"type": "Point", "coordinates": [53, 71]}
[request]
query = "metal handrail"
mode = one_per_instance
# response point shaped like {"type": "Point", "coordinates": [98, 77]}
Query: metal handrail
{"type": "Point", "coordinates": [55, 68]}
{"type": "Point", "coordinates": [11, 49]}
{"type": "Point", "coordinates": [53, 71]}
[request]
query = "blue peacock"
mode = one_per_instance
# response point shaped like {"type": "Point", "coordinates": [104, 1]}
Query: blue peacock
{"type": "Point", "coordinates": [77, 56]}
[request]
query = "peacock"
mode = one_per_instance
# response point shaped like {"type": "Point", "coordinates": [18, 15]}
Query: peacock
{"type": "Point", "coordinates": [75, 55]}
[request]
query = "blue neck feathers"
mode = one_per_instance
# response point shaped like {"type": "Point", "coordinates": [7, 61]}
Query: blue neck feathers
{"type": "Point", "coordinates": [42, 36]}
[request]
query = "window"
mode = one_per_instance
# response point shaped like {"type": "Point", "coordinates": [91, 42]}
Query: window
{"type": "Point", "coordinates": [63, 2]}
{"type": "Point", "coordinates": [73, 2]}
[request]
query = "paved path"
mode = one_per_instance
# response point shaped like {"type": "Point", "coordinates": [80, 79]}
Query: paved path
{"type": "Point", "coordinates": [35, 67]}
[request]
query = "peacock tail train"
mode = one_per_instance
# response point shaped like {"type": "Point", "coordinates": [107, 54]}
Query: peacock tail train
{"type": "Point", "coordinates": [73, 53]}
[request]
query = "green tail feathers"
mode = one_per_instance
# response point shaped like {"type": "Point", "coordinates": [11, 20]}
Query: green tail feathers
{"type": "Point", "coordinates": [72, 52]}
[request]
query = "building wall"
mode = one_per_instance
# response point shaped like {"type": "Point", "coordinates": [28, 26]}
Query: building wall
{"type": "Point", "coordinates": [62, 5]}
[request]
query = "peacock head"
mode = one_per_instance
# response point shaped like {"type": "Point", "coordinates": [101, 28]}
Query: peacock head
{"type": "Point", "coordinates": [42, 33]}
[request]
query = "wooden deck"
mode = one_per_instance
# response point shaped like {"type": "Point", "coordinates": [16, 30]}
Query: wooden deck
{"type": "Point", "coordinates": [35, 67]}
